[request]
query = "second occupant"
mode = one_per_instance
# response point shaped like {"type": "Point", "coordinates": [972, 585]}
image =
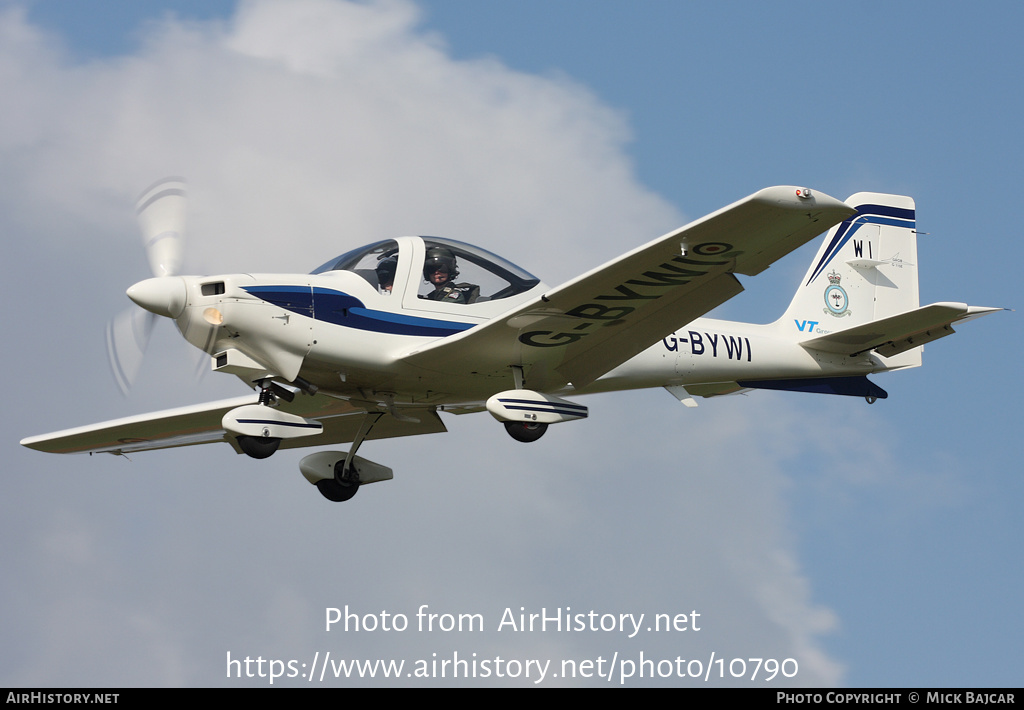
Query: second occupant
{"type": "Point", "coordinates": [386, 267]}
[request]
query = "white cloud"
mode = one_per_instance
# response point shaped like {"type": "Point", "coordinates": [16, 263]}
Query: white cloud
{"type": "Point", "coordinates": [307, 128]}
{"type": "Point", "coordinates": [284, 133]}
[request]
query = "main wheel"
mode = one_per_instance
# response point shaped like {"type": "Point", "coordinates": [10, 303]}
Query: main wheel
{"type": "Point", "coordinates": [343, 486]}
{"type": "Point", "coordinates": [336, 491]}
{"type": "Point", "coordinates": [259, 447]}
{"type": "Point", "coordinates": [525, 431]}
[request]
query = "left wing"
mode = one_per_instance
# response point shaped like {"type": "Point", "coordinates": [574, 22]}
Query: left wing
{"type": "Point", "coordinates": [201, 424]}
{"type": "Point", "coordinates": [591, 324]}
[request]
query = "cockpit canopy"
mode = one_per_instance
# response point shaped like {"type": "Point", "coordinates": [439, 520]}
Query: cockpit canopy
{"type": "Point", "coordinates": [491, 276]}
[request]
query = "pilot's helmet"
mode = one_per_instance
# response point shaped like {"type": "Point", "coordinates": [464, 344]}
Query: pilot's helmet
{"type": "Point", "coordinates": [439, 256]}
{"type": "Point", "coordinates": [386, 268]}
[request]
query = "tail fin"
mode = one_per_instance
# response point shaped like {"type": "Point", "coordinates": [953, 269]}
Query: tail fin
{"type": "Point", "coordinates": [866, 270]}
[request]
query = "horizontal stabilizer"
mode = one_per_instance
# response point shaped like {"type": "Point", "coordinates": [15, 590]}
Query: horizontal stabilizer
{"type": "Point", "coordinates": [896, 334]}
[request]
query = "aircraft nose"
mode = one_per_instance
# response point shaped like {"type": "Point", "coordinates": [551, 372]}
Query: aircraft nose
{"type": "Point", "coordinates": [164, 295]}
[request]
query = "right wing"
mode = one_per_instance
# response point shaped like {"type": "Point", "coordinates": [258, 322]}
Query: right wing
{"type": "Point", "coordinates": [584, 328]}
{"type": "Point", "coordinates": [201, 424]}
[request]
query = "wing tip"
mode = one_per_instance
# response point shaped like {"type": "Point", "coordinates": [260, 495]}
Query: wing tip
{"type": "Point", "coordinates": [802, 198]}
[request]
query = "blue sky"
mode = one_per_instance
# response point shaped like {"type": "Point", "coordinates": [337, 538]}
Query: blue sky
{"type": "Point", "coordinates": [876, 545]}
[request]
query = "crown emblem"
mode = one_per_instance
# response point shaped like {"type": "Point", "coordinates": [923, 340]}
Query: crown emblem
{"type": "Point", "coordinates": [834, 278]}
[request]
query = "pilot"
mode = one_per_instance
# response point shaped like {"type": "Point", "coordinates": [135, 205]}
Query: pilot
{"type": "Point", "coordinates": [386, 267]}
{"type": "Point", "coordinates": [440, 270]}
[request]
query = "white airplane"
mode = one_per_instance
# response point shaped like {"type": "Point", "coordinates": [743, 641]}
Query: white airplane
{"type": "Point", "coordinates": [378, 341]}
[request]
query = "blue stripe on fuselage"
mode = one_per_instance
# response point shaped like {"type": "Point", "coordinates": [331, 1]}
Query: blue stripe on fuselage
{"type": "Point", "coordinates": [338, 308]}
{"type": "Point", "coordinates": [297, 299]}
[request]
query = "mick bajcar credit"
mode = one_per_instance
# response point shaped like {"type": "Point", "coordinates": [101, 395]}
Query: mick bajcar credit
{"type": "Point", "coordinates": [612, 667]}
{"type": "Point", "coordinates": [912, 697]}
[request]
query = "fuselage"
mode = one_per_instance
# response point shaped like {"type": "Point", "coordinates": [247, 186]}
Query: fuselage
{"type": "Point", "coordinates": [345, 332]}
{"type": "Point", "coordinates": [710, 356]}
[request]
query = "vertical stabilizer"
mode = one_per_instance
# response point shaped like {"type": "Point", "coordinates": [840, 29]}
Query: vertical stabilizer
{"type": "Point", "coordinates": [866, 270]}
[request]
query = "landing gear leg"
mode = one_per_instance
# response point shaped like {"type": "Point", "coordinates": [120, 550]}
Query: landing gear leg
{"type": "Point", "coordinates": [261, 447]}
{"type": "Point", "coordinates": [345, 483]}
